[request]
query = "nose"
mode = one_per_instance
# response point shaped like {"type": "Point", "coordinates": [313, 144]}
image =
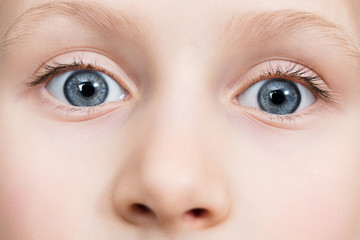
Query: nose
{"type": "Point", "coordinates": [172, 183]}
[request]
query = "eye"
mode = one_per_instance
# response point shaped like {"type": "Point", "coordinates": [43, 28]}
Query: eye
{"type": "Point", "coordinates": [277, 96]}
{"type": "Point", "coordinates": [85, 88]}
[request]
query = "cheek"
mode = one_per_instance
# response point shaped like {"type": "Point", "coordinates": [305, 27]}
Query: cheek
{"type": "Point", "coordinates": [321, 201]}
{"type": "Point", "coordinates": [50, 182]}
{"type": "Point", "coordinates": [295, 188]}
{"type": "Point", "coordinates": [324, 201]}
{"type": "Point", "coordinates": [33, 194]}
{"type": "Point", "coordinates": [322, 211]}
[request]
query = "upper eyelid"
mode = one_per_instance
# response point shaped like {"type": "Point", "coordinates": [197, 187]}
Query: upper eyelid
{"type": "Point", "coordinates": [55, 68]}
{"type": "Point", "coordinates": [290, 70]}
{"type": "Point", "coordinates": [311, 79]}
{"type": "Point", "coordinates": [301, 74]}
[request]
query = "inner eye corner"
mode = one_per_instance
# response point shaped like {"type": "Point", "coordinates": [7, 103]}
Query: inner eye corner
{"type": "Point", "coordinates": [128, 96]}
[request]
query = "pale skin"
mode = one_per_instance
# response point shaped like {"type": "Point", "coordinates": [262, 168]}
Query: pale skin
{"type": "Point", "coordinates": [181, 156]}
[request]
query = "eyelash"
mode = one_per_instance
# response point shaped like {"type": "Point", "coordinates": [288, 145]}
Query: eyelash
{"type": "Point", "coordinates": [298, 73]}
{"type": "Point", "coordinates": [55, 68]}
{"type": "Point", "coordinates": [292, 71]}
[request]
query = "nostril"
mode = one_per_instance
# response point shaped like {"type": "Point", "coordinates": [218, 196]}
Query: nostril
{"type": "Point", "coordinates": [197, 213]}
{"type": "Point", "coordinates": [197, 218]}
{"type": "Point", "coordinates": [141, 209]}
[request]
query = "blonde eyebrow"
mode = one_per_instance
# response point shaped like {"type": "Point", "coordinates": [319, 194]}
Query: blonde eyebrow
{"type": "Point", "coordinates": [284, 23]}
{"type": "Point", "coordinates": [91, 15]}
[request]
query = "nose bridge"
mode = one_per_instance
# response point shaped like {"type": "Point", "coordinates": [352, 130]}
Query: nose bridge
{"type": "Point", "coordinates": [178, 107]}
{"type": "Point", "coordinates": [174, 179]}
{"type": "Point", "coordinates": [176, 167]}
{"type": "Point", "coordinates": [180, 117]}
{"type": "Point", "coordinates": [181, 89]}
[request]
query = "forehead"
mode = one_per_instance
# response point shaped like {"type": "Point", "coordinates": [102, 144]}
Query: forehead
{"type": "Point", "coordinates": [199, 9]}
{"type": "Point", "coordinates": [188, 22]}
{"type": "Point", "coordinates": [205, 14]}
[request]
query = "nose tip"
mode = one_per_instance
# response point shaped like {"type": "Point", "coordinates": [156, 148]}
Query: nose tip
{"type": "Point", "coordinates": [174, 215]}
{"type": "Point", "coordinates": [173, 179]}
{"type": "Point", "coordinates": [195, 218]}
{"type": "Point", "coordinates": [183, 201]}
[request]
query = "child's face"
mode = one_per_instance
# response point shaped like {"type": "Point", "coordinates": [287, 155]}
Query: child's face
{"type": "Point", "coordinates": [233, 119]}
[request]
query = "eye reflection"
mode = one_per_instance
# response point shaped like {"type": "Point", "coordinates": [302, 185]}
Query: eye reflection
{"type": "Point", "coordinates": [277, 96]}
{"type": "Point", "coordinates": [85, 88]}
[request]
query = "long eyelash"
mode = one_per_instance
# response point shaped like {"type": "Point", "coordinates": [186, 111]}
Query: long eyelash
{"type": "Point", "coordinates": [55, 68]}
{"type": "Point", "coordinates": [297, 72]}
{"type": "Point", "coordinates": [293, 71]}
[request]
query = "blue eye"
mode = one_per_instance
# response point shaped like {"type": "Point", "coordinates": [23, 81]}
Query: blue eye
{"type": "Point", "coordinates": [277, 96]}
{"type": "Point", "coordinates": [86, 88]}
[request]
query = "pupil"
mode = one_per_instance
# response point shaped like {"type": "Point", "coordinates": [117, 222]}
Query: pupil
{"type": "Point", "coordinates": [87, 89]}
{"type": "Point", "coordinates": [277, 97]}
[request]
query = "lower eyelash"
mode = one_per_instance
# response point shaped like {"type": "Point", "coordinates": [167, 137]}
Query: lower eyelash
{"type": "Point", "coordinates": [74, 113]}
{"type": "Point", "coordinates": [292, 121]}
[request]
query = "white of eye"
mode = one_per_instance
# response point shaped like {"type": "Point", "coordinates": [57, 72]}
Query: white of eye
{"type": "Point", "coordinates": [56, 87]}
{"type": "Point", "coordinates": [249, 97]}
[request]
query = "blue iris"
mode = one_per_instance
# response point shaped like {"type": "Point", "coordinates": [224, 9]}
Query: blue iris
{"type": "Point", "coordinates": [279, 96]}
{"type": "Point", "coordinates": [86, 88]}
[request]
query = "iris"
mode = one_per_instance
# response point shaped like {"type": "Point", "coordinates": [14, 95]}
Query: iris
{"type": "Point", "coordinates": [86, 88]}
{"type": "Point", "coordinates": [279, 96]}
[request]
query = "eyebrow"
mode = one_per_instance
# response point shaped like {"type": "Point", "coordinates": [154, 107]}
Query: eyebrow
{"type": "Point", "coordinates": [91, 15]}
{"type": "Point", "coordinates": [266, 25]}
{"type": "Point", "coordinates": [279, 23]}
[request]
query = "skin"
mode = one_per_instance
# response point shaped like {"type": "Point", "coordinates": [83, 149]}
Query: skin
{"type": "Point", "coordinates": [201, 165]}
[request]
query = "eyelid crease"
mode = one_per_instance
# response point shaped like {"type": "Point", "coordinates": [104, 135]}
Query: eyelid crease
{"type": "Point", "coordinates": [296, 72]}
{"type": "Point", "coordinates": [55, 68]}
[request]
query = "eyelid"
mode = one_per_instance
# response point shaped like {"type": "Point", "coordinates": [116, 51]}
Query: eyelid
{"type": "Point", "coordinates": [299, 73]}
{"type": "Point", "coordinates": [86, 59]}
{"type": "Point", "coordinates": [289, 70]}
{"type": "Point", "coordinates": [76, 61]}
{"type": "Point", "coordinates": [55, 68]}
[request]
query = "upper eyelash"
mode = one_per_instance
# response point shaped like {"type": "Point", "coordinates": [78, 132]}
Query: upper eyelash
{"type": "Point", "coordinates": [293, 71]}
{"type": "Point", "coordinates": [297, 72]}
{"type": "Point", "coordinates": [55, 68]}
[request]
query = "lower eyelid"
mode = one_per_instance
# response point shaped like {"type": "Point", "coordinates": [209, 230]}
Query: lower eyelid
{"type": "Point", "coordinates": [295, 121]}
{"type": "Point", "coordinates": [59, 111]}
